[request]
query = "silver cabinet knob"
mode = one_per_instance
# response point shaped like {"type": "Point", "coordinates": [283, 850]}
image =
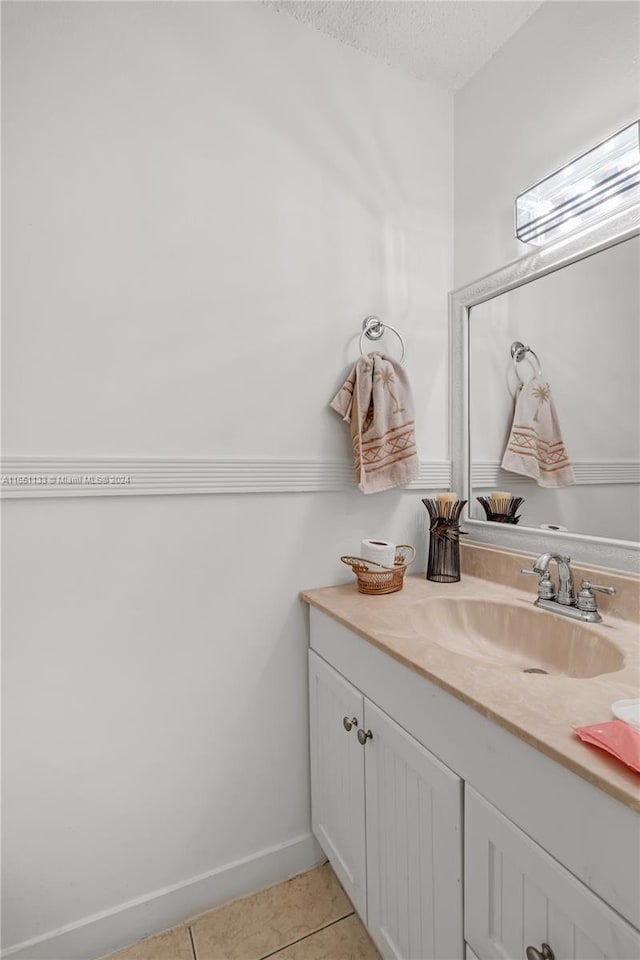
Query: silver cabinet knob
{"type": "Point", "coordinates": [348, 722]}
{"type": "Point", "coordinates": [545, 953]}
{"type": "Point", "coordinates": [364, 735]}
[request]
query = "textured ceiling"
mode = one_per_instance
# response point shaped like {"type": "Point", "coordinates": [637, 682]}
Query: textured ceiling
{"type": "Point", "coordinates": [443, 42]}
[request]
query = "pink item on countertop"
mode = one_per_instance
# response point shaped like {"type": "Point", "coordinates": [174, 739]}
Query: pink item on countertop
{"type": "Point", "coordinates": [616, 737]}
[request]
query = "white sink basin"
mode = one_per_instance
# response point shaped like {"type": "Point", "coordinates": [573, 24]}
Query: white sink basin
{"type": "Point", "coordinates": [515, 637]}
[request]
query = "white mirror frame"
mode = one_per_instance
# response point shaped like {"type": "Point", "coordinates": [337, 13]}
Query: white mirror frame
{"type": "Point", "coordinates": [596, 551]}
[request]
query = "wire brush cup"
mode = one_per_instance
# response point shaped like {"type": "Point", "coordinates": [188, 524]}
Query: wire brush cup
{"type": "Point", "coordinates": [375, 579]}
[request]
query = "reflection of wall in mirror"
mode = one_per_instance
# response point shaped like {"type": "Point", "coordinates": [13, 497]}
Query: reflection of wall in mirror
{"type": "Point", "coordinates": [582, 321]}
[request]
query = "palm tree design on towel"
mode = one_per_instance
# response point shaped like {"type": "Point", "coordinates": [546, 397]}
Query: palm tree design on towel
{"type": "Point", "coordinates": [542, 394]}
{"type": "Point", "coordinates": [387, 378]}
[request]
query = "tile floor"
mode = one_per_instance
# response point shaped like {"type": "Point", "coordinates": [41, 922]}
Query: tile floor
{"type": "Point", "coordinates": [306, 918]}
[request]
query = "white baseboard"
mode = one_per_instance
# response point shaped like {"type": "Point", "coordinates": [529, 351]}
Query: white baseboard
{"type": "Point", "coordinates": [111, 930]}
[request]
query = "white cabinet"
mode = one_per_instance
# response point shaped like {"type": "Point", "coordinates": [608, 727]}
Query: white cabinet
{"type": "Point", "coordinates": [337, 777]}
{"type": "Point", "coordinates": [517, 896]}
{"type": "Point", "coordinates": [414, 845]}
{"type": "Point", "coordinates": [388, 807]}
{"type": "Point", "coordinates": [548, 858]}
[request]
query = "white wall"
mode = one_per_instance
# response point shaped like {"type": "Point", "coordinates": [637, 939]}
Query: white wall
{"type": "Point", "coordinates": [205, 201]}
{"type": "Point", "coordinates": [567, 79]}
{"type": "Point", "coordinates": [201, 204]}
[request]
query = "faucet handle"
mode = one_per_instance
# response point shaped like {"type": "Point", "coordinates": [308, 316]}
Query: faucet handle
{"type": "Point", "coordinates": [545, 584]}
{"type": "Point", "coordinates": [587, 585]}
{"type": "Point", "coordinates": [586, 601]}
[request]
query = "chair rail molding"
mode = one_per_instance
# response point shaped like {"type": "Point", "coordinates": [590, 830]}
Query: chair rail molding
{"type": "Point", "coordinates": [42, 477]}
{"type": "Point", "coordinates": [488, 473]}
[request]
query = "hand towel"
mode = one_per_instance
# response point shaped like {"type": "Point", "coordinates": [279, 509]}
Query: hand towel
{"type": "Point", "coordinates": [535, 448]}
{"type": "Point", "coordinates": [376, 401]}
{"type": "Point", "coordinates": [616, 737]}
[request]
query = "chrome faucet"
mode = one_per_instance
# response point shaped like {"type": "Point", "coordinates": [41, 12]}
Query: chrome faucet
{"type": "Point", "coordinates": [565, 594]}
{"type": "Point", "coordinates": [564, 600]}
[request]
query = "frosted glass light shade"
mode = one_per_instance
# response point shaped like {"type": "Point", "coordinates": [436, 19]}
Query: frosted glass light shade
{"type": "Point", "coordinates": [593, 185]}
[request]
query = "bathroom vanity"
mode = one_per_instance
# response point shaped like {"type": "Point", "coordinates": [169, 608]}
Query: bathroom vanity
{"type": "Point", "coordinates": [458, 809]}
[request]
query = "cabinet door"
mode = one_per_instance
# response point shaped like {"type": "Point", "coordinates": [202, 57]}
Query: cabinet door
{"type": "Point", "coordinates": [414, 846]}
{"type": "Point", "coordinates": [517, 896]}
{"type": "Point", "coordinates": [337, 777]}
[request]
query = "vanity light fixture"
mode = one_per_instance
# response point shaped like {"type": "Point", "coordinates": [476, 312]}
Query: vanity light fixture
{"type": "Point", "coordinates": [600, 181]}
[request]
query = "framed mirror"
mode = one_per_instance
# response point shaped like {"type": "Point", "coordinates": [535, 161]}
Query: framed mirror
{"type": "Point", "coordinates": [576, 304]}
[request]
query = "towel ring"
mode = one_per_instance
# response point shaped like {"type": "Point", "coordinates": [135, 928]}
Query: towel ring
{"type": "Point", "coordinates": [373, 328]}
{"type": "Point", "coordinates": [519, 352]}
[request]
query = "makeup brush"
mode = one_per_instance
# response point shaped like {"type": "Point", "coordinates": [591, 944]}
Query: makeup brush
{"type": "Point", "coordinates": [446, 503]}
{"type": "Point", "coordinates": [500, 500]}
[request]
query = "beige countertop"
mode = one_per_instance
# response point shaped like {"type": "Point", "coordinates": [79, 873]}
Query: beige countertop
{"type": "Point", "coordinates": [541, 710]}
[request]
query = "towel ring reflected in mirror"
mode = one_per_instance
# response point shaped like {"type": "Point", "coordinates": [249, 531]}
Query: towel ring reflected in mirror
{"type": "Point", "coordinates": [373, 328]}
{"type": "Point", "coordinates": [519, 353]}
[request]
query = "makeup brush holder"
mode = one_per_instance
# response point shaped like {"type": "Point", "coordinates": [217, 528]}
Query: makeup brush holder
{"type": "Point", "coordinates": [443, 565]}
{"type": "Point", "coordinates": [508, 515]}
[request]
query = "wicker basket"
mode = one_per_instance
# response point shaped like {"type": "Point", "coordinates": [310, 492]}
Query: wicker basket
{"type": "Point", "coordinates": [374, 578]}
